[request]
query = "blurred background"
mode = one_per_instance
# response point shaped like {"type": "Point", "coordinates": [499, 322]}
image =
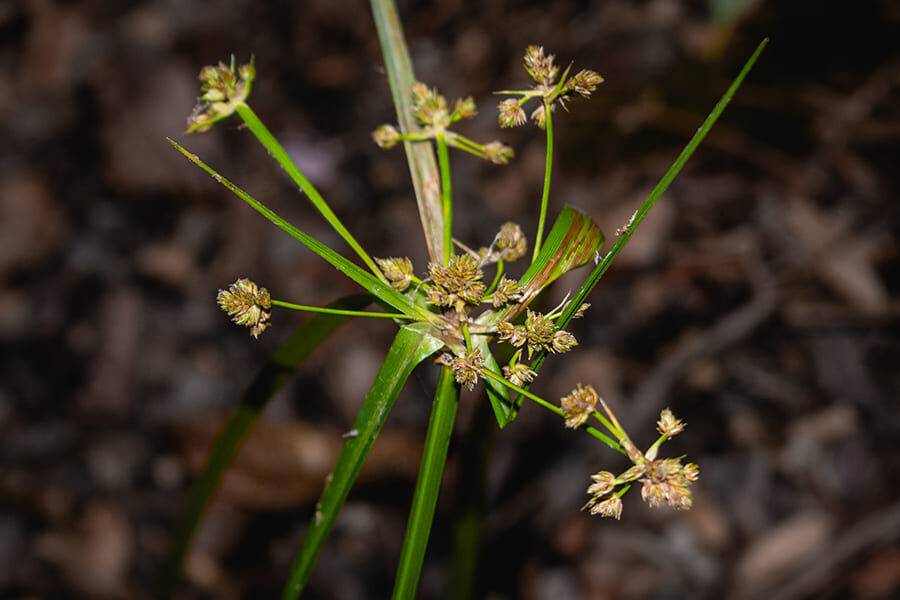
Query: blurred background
{"type": "Point", "coordinates": [759, 300]}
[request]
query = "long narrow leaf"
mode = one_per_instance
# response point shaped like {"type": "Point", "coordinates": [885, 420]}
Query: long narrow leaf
{"type": "Point", "coordinates": [420, 156]}
{"type": "Point", "coordinates": [371, 283]}
{"type": "Point", "coordinates": [657, 191]}
{"type": "Point", "coordinates": [277, 151]}
{"type": "Point", "coordinates": [660, 188]}
{"type": "Point", "coordinates": [412, 345]}
{"type": "Point", "coordinates": [269, 380]}
{"type": "Point", "coordinates": [434, 457]}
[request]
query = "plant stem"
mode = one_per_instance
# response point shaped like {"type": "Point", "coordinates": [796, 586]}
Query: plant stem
{"type": "Point", "coordinates": [331, 311]}
{"type": "Point", "coordinates": [411, 346]}
{"type": "Point", "coordinates": [434, 456]}
{"type": "Point", "coordinates": [278, 152]}
{"type": "Point", "coordinates": [545, 195]}
{"type": "Point", "coordinates": [468, 523]}
{"type": "Point", "coordinates": [497, 277]}
{"type": "Point", "coordinates": [446, 196]}
{"type": "Point", "coordinates": [420, 157]}
{"type": "Point", "coordinates": [552, 408]}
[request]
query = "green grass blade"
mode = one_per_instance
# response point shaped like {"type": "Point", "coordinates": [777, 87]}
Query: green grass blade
{"type": "Point", "coordinates": [372, 284]}
{"type": "Point", "coordinates": [660, 188]}
{"type": "Point", "coordinates": [434, 457]}
{"type": "Point", "coordinates": [420, 156]}
{"type": "Point", "coordinates": [657, 191]}
{"type": "Point", "coordinates": [278, 152]}
{"type": "Point", "coordinates": [269, 380]}
{"type": "Point", "coordinates": [411, 346]}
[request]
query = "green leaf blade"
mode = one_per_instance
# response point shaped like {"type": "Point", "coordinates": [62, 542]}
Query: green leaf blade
{"type": "Point", "coordinates": [372, 284]}
{"type": "Point", "coordinates": [428, 485]}
{"type": "Point", "coordinates": [412, 345]}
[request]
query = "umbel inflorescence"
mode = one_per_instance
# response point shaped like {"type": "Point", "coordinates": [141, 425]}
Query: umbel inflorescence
{"type": "Point", "coordinates": [463, 308]}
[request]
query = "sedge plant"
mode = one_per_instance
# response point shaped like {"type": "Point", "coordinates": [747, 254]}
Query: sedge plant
{"type": "Point", "coordinates": [455, 312]}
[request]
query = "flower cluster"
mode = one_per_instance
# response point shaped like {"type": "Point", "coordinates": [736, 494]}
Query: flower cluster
{"type": "Point", "coordinates": [507, 291]}
{"type": "Point", "coordinates": [245, 302]}
{"type": "Point", "coordinates": [544, 72]}
{"type": "Point", "coordinates": [663, 481]}
{"type": "Point", "coordinates": [579, 405]}
{"type": "Point", "coordinates": [430, 108]}
{"type": "Point", "coordinates": [468, 368]}
{"type": "Point", "coordinates": [399, 271]}
{"type": "Point", "coordinates": [432, 111]}
{"type": "Point", "coordinates": [538, 333]}
{"type": "Point", "coordinates": [509, 245]}
{"type": "Point", "coordinates": [457, 284]}
{"type": "Point", "coordinates": [224, 87]}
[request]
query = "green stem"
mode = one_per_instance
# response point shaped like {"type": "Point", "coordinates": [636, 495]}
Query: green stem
{"type": "Point", "coordinates": [552, 408]}
{"type": "Point", "coordinates": [616, 431]}
{"type": "Point", "coordinates": [331, 311]}
{"type": "Point", "coordinates": [468, 525]}
{"type": "Point", "coordinates": [411, 346]}
{"type": "Point", "coordinates": [434, 456]}
{"type": "Point", "coordinates": [278, 152]}
{"type": "Point", "coordinates": [497, 277]}
{"type": "Point", "coordinates": [446, 196]}
{"type": "Point", "coordinates": [545, 195]}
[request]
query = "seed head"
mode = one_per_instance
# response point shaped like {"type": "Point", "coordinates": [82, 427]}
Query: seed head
{"type": "Point", "coordinates": [540, 66]}
{"type": "Point", "coordinates": [464, 109]}
{"type": "Point", "coordinates": [512, 334]}
{"type": "Point", "coordinates": [668, 425]}
{"type": "Point", "coordinates": [511, 244]}
{"type": "Point", "coordinates": [429, 106]}
{"type": "Point", "coordinates": [223, 88]}
{"type": "Point", "coordinates": [507, 290]}
{"type": "Point", "coordinates": [244, 302]}
{"type": "Point", "coordinates": [498, 153]}
{"type": "Point", "coordinates": [386, 136]}
{"type": "Point", "coordinates": [467, 369]}
{"type": "Point", "coordinates": [539, 331]}
{"type": "Point", "coordinates": [667, 481]}
{"type": "Point", "coordinates": [579, 405]}
{"type": "Point", "coordinates": [604, 483]}
{"type": "Point", "coordinates": [511, 113]}
{"type": "Point", "coordinates": [460, 282]}
{"type": "Point", "coordinates": [539, 116]}
{"type": "Point", "coordinates": [519, 374]}
{"type": "Point", "coordinates": [610, 507]}
{"type": "Point", "coordinates": [584, 82]}
{"type": "Point", "coordinates": [581, 310]}
{"type": "Point", "coordinates": [398, 270]}
{"type": "Point", "coordinates": [563, 341]}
